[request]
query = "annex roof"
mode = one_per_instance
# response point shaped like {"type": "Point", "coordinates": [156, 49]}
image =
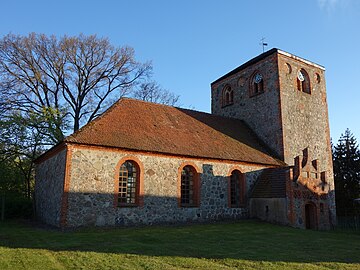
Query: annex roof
{"type": "Point", "coordinates": [271, 184]}
{"type": "Point", "coordinates": [144, 126]}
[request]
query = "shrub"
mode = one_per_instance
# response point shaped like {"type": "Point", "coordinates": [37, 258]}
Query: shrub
{"type": "Point", "coordinates": [17, 206]}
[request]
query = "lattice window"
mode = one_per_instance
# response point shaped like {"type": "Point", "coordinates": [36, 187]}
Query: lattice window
{"type": "Point", "coordinates": [128, 183]}
{"type": "Point", "coordinates": [235, 189]}
{"type": "Point", "coordinates": [188, 186]}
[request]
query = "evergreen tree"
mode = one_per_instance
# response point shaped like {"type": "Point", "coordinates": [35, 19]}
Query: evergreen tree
{"type": "Point", "coordinates": [346, 159]}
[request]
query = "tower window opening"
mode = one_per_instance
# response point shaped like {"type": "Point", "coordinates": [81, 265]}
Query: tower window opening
{"type": "Point", "coordinates": [227, 96]}
{"type": "Point", "coordinates": [303, 81]}
{"type": "Point", "coordinates": [257, 84]}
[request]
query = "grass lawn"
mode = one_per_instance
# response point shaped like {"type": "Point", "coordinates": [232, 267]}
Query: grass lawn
{"type": "Point", "coordinates": [241, 245]}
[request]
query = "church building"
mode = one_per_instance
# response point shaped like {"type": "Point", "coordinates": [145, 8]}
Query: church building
{"type": "Point", "coordinates": [263, 152]}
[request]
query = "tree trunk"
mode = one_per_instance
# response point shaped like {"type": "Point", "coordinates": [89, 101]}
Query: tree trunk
{"type": "Point", "coordinates": [76, 120]}
{"type": "Point", "coordinates": [2, 207]}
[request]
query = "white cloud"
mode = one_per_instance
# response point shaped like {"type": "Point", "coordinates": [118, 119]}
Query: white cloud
{"type": "Point", "coordinates": [331, 5]}
{"type": "Point", "coordinates": [327, 3]}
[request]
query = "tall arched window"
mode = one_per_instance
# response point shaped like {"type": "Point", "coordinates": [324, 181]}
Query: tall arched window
{"type": "Point", "coordinates": [227, 96]}
{"type": "Point", "coordinates": [129, 184]}
{"type": "Point", "coordinates": [189, 187]}
{"type": "Point", "coordinates": [256, 84]}
{"type": "Point", "coordinates": [236, 189]}
{"type": "Point", "coordinates": [303, 81]}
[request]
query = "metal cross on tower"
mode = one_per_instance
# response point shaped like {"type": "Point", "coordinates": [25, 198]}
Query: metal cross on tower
{"type": "Point", "coordinates": [263, 43]}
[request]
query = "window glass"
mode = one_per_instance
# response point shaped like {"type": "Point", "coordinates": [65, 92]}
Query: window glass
{"type": "Point", "coordinates": [128, 178]}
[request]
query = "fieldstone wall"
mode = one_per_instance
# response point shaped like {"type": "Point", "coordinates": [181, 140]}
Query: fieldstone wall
{"type": "Point", "coordinates": [305, 119]}
{"type": "Point", "coordinates": [273, 210]}
{"type": "Point", "coordinates": [323, 212]}
{"type": "Point", "coordinates": [93, 180]}
{"type": "Point", "coordinates": [49, 186]}
{"type": "Point", "coordinates": [304, 116]}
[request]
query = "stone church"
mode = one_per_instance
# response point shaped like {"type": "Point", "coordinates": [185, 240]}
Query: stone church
{"type": "Point", "coordinates": [264, 152]}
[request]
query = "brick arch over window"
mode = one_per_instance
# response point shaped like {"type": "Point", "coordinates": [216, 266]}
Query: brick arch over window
{"type": "Point", "coordinates": [227, 96]}
{"type": "Point", "coordinates": [256, 84]}
{"type": "Point", "coordinates": [129, 183]}
{"type": "Point", "coordinates": [303, 81]}
{"type": "Point", "coordinates": [236, 188]}
{"type": "Point", "coordinates": [189, 185]}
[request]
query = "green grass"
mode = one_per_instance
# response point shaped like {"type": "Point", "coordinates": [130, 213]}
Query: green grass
{"type": "Point", "coordinates": [242, 245]}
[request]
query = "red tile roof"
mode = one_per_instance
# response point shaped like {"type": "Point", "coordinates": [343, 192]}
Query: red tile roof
{"type": "Point", "coordinates": [271, 184]}
{"type": "Point", "coordinates": [144, 126]}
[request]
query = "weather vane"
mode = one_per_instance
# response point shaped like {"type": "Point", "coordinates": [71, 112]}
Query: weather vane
{"type": "Point", "coordinates": [263, 43]}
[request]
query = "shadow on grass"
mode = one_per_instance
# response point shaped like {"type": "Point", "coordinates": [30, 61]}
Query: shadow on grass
{"type": "Point", "coordinates": [245, 240]}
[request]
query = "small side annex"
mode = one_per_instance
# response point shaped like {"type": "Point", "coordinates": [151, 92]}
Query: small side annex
{"type": "Point", "coordinates": [142, 163]}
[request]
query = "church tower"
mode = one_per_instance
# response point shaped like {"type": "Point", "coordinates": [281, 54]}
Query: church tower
{"type": "Point", "coordinates": [282, 98]}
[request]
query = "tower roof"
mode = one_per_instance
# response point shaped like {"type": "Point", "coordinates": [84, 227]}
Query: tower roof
{"type": "Point", "coordinates": [261, 57]}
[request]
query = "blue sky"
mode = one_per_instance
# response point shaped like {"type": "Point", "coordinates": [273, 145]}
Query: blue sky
{"type": "Point", "coordinates": [193, 42]}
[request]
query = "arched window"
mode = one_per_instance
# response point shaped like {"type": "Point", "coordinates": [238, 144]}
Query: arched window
{"type": "Point", "coordinates": [303, 81]}
{"type": "Point", "coordinates": [189, 187]}
{"type": "Point", "coordinates": [129, 184]}
{"type": "Point", "coordinates": [236, 189]}
{"type": "Point", "coordinates": [256, 84]}
{"type": "Point", "coordinates": [227, 96]}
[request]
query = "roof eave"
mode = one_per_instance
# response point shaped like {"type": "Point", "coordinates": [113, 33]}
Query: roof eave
{"type": "Point", "coordinates": [277, 163]}
{"type": "Point", "coordinates": [50, 152]}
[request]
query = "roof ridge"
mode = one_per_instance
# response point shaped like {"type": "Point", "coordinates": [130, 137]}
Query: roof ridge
{"type": "Point", "coordinates": [108, 110]}
{"type": "Point", "coordinates": [147, 126]}
{"type": "Point", "coordinates": [247, 63]}
{"type": "Point", "coordinates": [213, 115]}
{"type": "Point", "coordinates": [116, 103]}
{"type": "Point", "coordinates": [96, 119]}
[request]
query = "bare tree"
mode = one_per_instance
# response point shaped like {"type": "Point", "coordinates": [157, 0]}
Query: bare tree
{"type": "Point", "coordinates": [50, 86]}
{"type": "Point", "coordinates": [153, 92]}
{"type": "Point", "coordinates": [65, 80]}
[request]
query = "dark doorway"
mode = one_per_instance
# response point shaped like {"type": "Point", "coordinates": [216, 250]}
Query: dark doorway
{"type": "Point", "coordinates": [310, 216]}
